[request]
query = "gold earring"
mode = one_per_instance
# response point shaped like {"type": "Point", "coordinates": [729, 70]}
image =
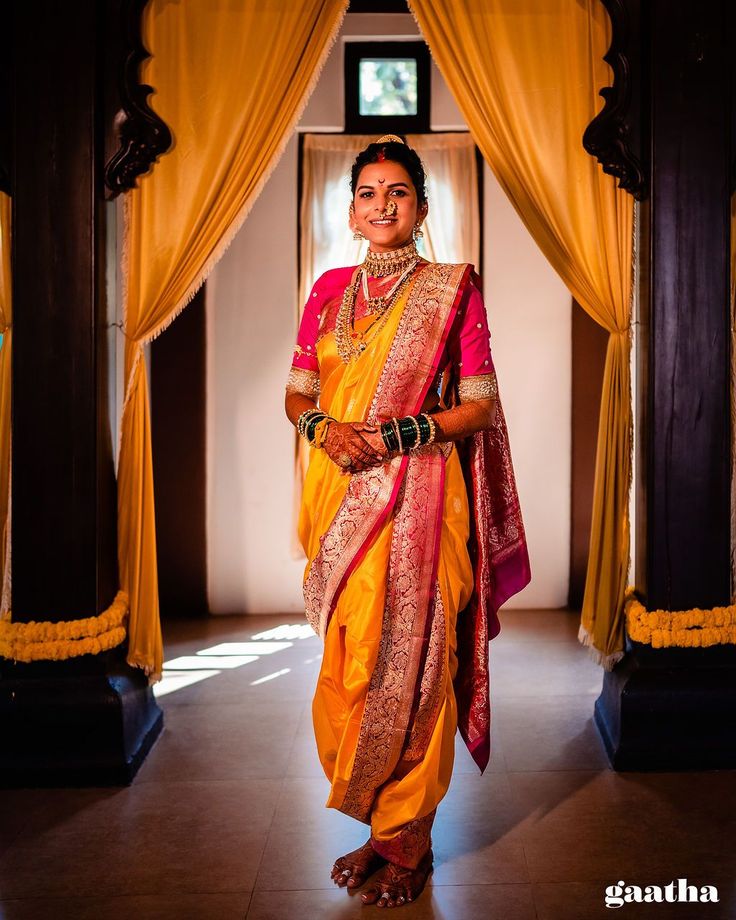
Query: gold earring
{"type": "Point", "coordinates": [357, 235]}
{"type": "Point", "coordinates": [417, 231]}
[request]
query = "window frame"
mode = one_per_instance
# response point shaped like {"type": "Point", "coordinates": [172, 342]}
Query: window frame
{"type": "Point", "coordinates": [355, 123]}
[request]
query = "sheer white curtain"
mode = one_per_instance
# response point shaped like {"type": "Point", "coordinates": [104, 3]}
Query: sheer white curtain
{"type": "Point", "coordinates": [452, 227]}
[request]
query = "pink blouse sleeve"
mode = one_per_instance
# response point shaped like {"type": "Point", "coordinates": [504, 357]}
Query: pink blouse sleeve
{"type": "Point", "coordinates": [304, 373]}
{"type": "Point", "coordinates": [305, 352]}
{"type": "Point", "coordinates": [469, 347]}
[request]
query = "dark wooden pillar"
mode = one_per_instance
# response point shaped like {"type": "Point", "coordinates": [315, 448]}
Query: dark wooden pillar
{"type": "Point", "coordinates": [676, 708]}
{"type": "Point", "coordinates": [689, 509]}
{"type": "Point", "coordinates": [88, 719]}
{"type": "Point", "coordinates": [63, 486]}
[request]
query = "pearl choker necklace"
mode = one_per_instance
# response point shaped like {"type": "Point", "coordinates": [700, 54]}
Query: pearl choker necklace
{"type": "Point", "coordinates": [380, 264]}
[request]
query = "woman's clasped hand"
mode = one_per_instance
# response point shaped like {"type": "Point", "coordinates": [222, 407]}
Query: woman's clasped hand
{"type": "Point", "coordinates": [355, 446]}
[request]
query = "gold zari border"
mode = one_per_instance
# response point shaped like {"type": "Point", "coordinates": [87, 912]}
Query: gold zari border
{"type": "Point", "coordinates": [477, 386]}
{"type": "Point", "coordinates": [410, 603]}
{"type": "Point", "coordinates": [303, 381]}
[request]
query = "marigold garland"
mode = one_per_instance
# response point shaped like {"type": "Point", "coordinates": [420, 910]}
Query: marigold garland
{"type": "Point", "coordinates": [47, 641]}
{"type": "Point", "coordinates": [694, 628]}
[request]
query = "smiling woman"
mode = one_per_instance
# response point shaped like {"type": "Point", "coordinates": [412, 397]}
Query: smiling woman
{"type": "Point", "coordinates": [392, 367]}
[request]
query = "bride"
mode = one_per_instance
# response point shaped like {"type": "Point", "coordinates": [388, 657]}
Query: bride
{"type": "Point", "coordinates": [410, 523]}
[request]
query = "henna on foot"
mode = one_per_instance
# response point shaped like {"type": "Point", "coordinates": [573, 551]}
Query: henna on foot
{"type": "Point", "coordinates": [394, 885]}
{"type": "Point", "coordinates": [353, 868]}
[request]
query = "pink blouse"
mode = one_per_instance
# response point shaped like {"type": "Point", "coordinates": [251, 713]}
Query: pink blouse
{"type": "Point", "coordinates": [468, 345]}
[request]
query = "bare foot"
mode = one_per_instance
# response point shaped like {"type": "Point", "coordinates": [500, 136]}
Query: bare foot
{"type": "Point", "coordinates": [353, 869]}
{"type": "Point", "coordinates": [394, 885]}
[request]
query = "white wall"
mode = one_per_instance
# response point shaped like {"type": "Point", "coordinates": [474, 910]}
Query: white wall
{"type": "Point", "coordinates": [251, 327]}
{"type": "Point", "coordinates": [251, 310]}
{"type": "Point", "coordinates": [530, 317]}
{"type": "Point", "coordinates": [325, 109]}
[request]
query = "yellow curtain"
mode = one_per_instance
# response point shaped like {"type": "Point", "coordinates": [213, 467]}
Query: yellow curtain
{"type": "Point", "coordinates": [231, 82]}
{"type": "Point", "coordinates": [733, 397]}
{"type": "Point", "coordinates": [526, 78]}
{"type": "Point", "coordinates": [6, 316]}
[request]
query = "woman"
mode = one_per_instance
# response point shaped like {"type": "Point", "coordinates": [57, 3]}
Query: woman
{"type": "Point", "coordinates": [406, 566]}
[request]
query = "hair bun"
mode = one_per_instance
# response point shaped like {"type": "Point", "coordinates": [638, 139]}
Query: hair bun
{"type": "Point", "coordinates": [394, 148]}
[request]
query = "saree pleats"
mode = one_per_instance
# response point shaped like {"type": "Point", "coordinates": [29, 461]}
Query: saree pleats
{"type": "Point", "coordinates": [389, 569]}
{"type": "Point", "coordinates": [358, 683]}
{"type": "Point", "coordinates": [405, 804]}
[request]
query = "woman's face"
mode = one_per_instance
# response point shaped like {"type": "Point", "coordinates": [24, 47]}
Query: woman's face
{"type": "Point", "coordinates": [385, 207]}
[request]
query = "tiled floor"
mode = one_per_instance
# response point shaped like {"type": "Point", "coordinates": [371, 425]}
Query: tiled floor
{"type": "Point", "coordinates": [225, 819]}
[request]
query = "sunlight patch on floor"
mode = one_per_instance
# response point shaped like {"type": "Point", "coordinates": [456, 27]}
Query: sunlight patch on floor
{"type": "Point", "coordinates": [173, 680]}
{"type": "Point", "coordinates": [245, 648]}
{"type": "Point", "coordinates": [201, 662]}
{"type": "Point", "coordinates": [287, 631]}
{"type": "Point", "coordinates": [207, 662]}
{"type": "Point", "coordinates": [262, 680]}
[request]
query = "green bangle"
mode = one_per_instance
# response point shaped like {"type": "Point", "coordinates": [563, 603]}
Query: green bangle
{"type": "Point", "coordinates": [424, 429]}
{"type": "Point", "coordinates": [311, 424]}
{"type": "Point", "coordinates": [431, 427]}
{"type": "Point", "coordinates": [409, 432]}
{"type": "Point", "coordinates": [304, 418]}
{"type": "Point", "coordinates": [389, 437]}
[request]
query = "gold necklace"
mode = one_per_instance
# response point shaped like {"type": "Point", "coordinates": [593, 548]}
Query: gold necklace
{"type": "Point", "coordinates": [380, 264]}
{"type": "Point", "coordinates": [379, 302]}
{"type": "Point", "coordinates": [344, 321]}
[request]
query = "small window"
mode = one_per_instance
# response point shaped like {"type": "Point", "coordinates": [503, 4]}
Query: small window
{"type": "Point", "coordinates": [386, 87]}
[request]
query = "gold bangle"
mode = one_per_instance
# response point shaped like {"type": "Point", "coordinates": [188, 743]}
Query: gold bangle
{"type": "Point", "coordinates": [304, 418]}
{"type": "Point", "coordinates": [395, 426]}
{"type": "Point", "coordinates": [432, 428]}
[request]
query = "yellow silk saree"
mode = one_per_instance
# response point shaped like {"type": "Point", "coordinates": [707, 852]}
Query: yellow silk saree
{"type": "Point", "coordinates": [394, 557]}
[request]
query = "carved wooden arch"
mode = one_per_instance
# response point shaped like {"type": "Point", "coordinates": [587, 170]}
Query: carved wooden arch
{"type": "Point", "coordinates": [613, 137]}
{"type": "Point", "coordinates": [143, 135]}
